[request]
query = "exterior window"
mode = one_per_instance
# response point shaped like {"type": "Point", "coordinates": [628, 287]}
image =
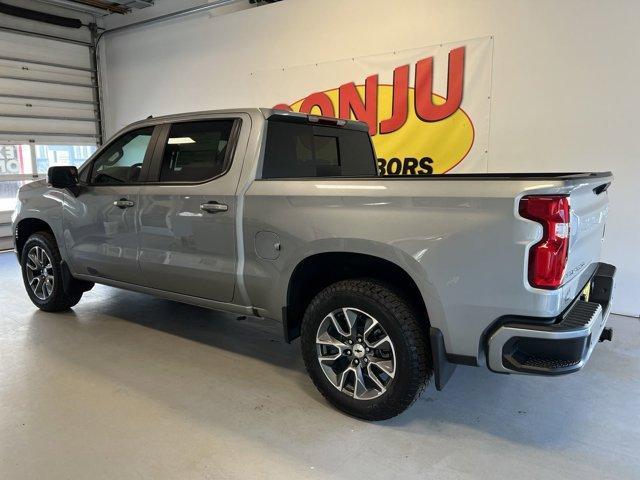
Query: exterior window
{"type": "Point", "coordinates": [121, 162]}
{"type": "Point", "coordinates": [297, 150]}
{"type": "Point", "coordinates": [56, 155]}
{"type": "Point", "coordinates": [196, 151]}
{"type": "Point", "coordinates": [82, 152]}
{"type": "Point", "coordinates": [16, 169]}
{"type": "Point", "coordinates": [22, 163]}
{"type": "Point", "coordinates": [15, 160]}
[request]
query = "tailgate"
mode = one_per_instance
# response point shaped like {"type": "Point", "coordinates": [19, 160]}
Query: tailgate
{"type": "Point", "coordinates": [589, 207]}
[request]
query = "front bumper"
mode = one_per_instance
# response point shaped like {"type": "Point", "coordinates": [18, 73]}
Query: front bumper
{"type": "Point", "coordinates": [559, 346]}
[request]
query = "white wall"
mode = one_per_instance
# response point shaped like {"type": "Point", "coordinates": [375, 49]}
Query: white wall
{"type": "Point", "coordinates": [565, 78]}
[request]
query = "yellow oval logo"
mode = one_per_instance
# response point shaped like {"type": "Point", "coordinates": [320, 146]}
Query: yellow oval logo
{"type": "Point", "coordinates": [417, 147]}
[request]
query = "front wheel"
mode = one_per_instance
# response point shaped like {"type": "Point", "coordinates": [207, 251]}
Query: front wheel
{"type": "Point", "coordinates": [365, 350]}
{"type": "Point", "coordinates": [42, 274]}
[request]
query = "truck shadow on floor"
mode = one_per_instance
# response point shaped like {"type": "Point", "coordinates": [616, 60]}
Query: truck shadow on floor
{"type": "Point", "coordinates": [259, 338]}
{"type": "Point", "coordinates": [521, 409]}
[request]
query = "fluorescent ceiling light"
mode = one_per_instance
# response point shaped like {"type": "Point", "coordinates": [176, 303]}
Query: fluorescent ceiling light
{"type": "Point", "coordinates": [181, 140]}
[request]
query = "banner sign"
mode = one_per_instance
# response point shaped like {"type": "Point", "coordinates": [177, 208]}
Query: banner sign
{"type": "Point", "coordinates": [11, 159]}
{"type": "Point", "coordinates": [427, 108]}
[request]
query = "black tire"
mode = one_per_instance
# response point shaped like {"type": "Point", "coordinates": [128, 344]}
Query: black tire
{"type": "Point", "coordinates": [403, 325]}
{"type": "Point", "coordinates": [58, 300]}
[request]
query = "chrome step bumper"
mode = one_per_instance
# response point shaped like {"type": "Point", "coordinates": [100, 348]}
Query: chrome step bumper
{"type": "Point", "coordinates": [558, 347]}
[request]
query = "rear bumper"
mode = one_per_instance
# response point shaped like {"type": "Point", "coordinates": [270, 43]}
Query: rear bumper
{"type": "Point", "coordinates": [557, 346]}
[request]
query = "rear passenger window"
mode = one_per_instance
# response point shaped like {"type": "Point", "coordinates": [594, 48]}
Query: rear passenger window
{"type": "Point", "coordinates": [295, 150]}
{"type": "Point", "coordinates": [196, 151]}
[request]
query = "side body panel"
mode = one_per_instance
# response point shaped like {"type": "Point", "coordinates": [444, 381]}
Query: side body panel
{"type": "Point", "coordinates": [40, 201]}
{"type": "Point", "coordinates": [462, 242]}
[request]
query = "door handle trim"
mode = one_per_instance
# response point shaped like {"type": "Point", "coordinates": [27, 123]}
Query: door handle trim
{"type": "Point", "coordinates": [214, 207]}
{"type": "Point", "coordinates": [123, 203]}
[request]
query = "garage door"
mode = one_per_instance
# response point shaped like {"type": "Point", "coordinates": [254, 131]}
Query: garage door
{"type": "Point", "coordinates": [48, 110]}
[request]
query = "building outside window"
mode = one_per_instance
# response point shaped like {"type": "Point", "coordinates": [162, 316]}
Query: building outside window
{"type": "Point", "coordinates": [54, 155]}
{"type": "Point", "coordinates": [18, 167]}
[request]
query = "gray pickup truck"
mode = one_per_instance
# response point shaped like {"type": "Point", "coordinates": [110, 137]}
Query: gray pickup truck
{"type": "Point", "coordinates": [387, 280]}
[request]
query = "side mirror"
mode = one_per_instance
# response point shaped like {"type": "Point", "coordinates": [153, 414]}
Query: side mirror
{"type": "Point", "coordinates": [63, 177]}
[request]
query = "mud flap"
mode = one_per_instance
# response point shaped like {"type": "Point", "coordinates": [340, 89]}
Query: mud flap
{"type": "Point", "coordinates": [70, 284]}
{"type": "Point", "coordinates": [442, 368]}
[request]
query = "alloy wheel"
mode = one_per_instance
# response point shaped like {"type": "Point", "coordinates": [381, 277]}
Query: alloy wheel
{"type": "Point", "coordinates": [40, 272]}
{"type": "Point", "coordinates": [355, 353]}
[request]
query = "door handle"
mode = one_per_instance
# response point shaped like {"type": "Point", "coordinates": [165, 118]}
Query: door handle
{"type": "Point", "coordinates": [214, 207]}
{"type": "Point", "coordinates": [123, 203]}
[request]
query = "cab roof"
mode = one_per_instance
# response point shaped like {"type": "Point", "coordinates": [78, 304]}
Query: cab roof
{"type": "Point", "coordinates": [266, 113]}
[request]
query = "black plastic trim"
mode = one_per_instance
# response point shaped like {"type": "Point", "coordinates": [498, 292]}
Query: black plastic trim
{"type": "Point", "coordinates": [38, 16]}
{"type": "Point", "coordinates": [442, 367]}
{"type": "Point", "coordinates": [578, 315]}
{"type": "Point", "coordinates": [468, 176]}
{"type": "Point", "coordinates": [285, 116]}
{"type": "Point", "coordinates": [71, 284]}
{"type": "Point", "coordinates": [601, 188]}
{"type": "Point", "coordinates": [152, 170]}
{"type": "Point", "coordinates": [546, 356]}
{"type": "Point", "coordinates": [556, 357]}
{"type": "Point", "coordinates": [289, 335]}
{"type": "Point", "coordinates": [468, 360]}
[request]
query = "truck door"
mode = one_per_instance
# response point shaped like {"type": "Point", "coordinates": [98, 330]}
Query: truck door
{"type": "Point", "coordinates": [187, 209]}
{"type": "Point", "coordinates": [100, 223]}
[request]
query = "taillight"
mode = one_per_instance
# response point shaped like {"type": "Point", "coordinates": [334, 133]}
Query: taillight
{"type": "Point", "coordinates": [548, 257]}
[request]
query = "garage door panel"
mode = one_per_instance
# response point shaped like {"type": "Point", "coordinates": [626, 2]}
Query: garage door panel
{"type": "Point", "coordinates": [21, 46]}
{"type": "Point", "coordinates": [40, 78]}
{"type": "Point", "coordinates": [27, 89]}
{"type": "Point", "coordinates": [30, 72]}
{"type": "Point", "coordinates": [26, 71]}
{"type": "Point", "coordinates": [38, 125]}
{"type": "Point", "coordinates": [8, 108]}
{"type": "Point", "coordinates": [47, 140]}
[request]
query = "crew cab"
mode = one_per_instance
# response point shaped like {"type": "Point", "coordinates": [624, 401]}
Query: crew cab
{"type": "Point", "coordinates": [389, 281]}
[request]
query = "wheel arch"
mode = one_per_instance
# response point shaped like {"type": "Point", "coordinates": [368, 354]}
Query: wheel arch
{"type": "Point", "coordinates": [27, 227]}
{"type": "Point", "coordinates": [315, 272]}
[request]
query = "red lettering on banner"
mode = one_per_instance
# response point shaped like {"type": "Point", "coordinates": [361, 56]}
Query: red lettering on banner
{"type": "Point", "coordinates": [365, 111]}
{"type": "Point", "coordinates": [425, 108]}
{"type": "Point", "coordinates": [400, 101]}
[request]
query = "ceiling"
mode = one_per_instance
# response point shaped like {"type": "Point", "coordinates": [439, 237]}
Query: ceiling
{"type": "Point", "coordinates": [107, 7]}
{"type": "Point", "coordinates": [101, 7]}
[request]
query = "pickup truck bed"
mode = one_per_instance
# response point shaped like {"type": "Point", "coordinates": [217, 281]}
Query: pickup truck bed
{"type": "Point", "coordinates": [489, 176]}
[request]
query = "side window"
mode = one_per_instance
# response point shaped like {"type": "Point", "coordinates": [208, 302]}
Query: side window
{"type": "Point", "coordinates": [296, 150]}
{"type": "Point", "coordinates": [122, 161]}
{"type": "Point", "coordinates": [196, 151]}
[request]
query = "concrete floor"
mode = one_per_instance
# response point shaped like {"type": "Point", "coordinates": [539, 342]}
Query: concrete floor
{"type": "Point", "coordinates": [129, 386]}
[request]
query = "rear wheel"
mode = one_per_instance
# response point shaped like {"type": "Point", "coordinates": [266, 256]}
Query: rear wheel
{"type": "Point", "coordinates": [42, 274]}
{"type": "Point", "coordinates": [365, 350]}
